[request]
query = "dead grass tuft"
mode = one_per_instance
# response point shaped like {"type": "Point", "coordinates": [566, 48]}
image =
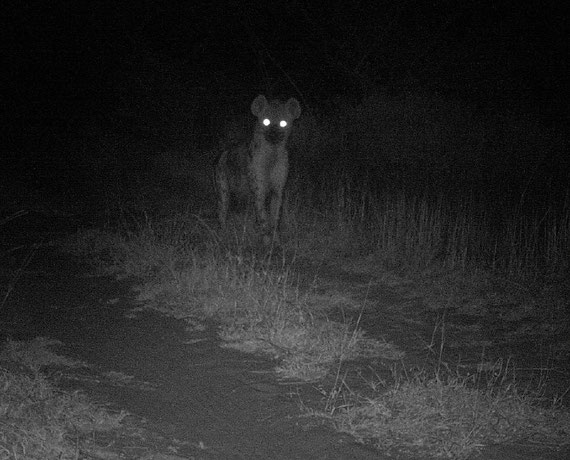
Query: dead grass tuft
{"type": "Point", "coordinates": [39, 422]}
{"type": "Point", "coordinates": [447, 417]}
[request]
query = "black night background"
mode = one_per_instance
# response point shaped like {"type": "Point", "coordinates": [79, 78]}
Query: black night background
{"type": "Point", "coordinates": [110, 86]}
{"type": "Point", "coordinates": [425, 221]}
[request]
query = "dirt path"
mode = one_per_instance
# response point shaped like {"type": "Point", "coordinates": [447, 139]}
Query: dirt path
{"type": "Point", "coordinates": [198, 400]}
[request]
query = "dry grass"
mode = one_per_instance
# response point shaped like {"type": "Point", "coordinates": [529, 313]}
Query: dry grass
{"type": "Point", "coordinates": [425, 233]}
{"type": "Point", "coordinates": [447, 416]}
{"type": "Point", "coordinates": [39, 421]}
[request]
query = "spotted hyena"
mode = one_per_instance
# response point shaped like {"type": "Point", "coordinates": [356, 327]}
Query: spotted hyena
{"type": "Point", "coordinates": [259, 169]}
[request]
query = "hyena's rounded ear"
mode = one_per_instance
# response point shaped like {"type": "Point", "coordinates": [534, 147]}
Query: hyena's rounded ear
{"type": "Point", "coordinates": [294, 108]}
{"type": "Point", "coordinates": [258, 105]}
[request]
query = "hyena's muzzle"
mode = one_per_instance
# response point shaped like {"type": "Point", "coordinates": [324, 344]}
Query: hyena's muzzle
{"type": "Point", "coordinates": [274, 135]}
{"type": "Point", "coordinates": [259, 169]}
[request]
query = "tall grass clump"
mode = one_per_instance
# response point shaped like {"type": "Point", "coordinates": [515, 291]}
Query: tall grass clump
{"type": "Point", "coordinates": [424, 181]}
{"type": "Point", "coordinates": [460, 236]}
{"type": "Point", "coordinates": [444, 415]}
{"type": "Point", "coordinates": [41, 422]}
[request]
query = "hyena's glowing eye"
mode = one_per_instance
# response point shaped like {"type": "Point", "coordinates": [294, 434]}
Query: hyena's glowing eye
{"type": "Point", "coordinates": [266, 122]}
{"type": "Point", "coordinates": [283, 123]}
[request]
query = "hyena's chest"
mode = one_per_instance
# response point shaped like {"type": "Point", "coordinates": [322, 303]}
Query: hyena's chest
{"type": "Point", "coordinates": [268, 164]}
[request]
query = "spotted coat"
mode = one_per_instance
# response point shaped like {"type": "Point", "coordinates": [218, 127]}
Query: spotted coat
{"type": "Point", "coordinates": [259, 169]}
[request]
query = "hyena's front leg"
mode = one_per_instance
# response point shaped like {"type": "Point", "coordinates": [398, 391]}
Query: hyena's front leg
{"type": "Point", "coordinates": [278, 181]}
{"type": "Point", "coordinates": [275, 209]}
{"type": "Point", "coordinates": [259, 185]}
{"type": "Point", "coordinates": [261, 212]}
{"type": "Point", "coordinates": [223, 186]}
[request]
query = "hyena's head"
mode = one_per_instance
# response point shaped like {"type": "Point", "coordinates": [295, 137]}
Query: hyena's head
{"type": "Point", "coordinates": [275, 118]}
